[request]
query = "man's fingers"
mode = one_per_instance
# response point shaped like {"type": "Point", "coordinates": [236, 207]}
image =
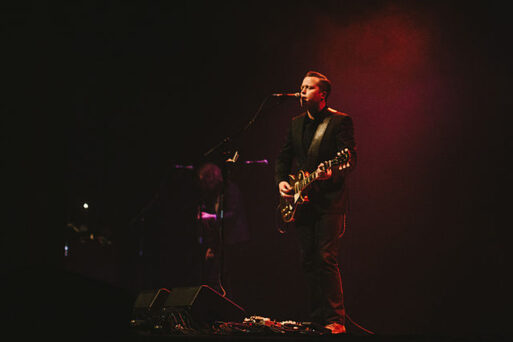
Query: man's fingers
{"type": "Point", "coordinates": [284, 186]}
{"type": "Point", "coordinates": [322, 172]}
{"type": "Point", "coordinates": [285, 189]}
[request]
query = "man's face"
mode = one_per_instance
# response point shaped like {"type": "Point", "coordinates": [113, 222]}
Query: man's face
{"type": "Point", "coordinates": [311, 94]}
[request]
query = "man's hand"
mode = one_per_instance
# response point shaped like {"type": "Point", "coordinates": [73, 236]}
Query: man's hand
{"type": "Point", "coordinates": [285, 189]}
{"type": "Point", "coordinates": [322, 173]}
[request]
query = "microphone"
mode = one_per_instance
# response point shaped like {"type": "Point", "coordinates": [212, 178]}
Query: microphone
{"type": "Point", "coordinates": [286, 95]}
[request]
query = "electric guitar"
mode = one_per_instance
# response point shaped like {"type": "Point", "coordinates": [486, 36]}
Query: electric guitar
{"type": "Point", "coordinates": [300, 183]}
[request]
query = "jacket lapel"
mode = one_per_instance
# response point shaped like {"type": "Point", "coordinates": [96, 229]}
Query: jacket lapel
{"type": "Point", "coordinates": [297, 137]}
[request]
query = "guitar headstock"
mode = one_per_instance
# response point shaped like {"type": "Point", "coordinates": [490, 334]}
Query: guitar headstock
{"type": "Point", "coordinates": [342, 158]}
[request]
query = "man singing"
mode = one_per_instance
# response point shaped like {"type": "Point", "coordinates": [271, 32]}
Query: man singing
{"type": "Point", "coordinates": [317, 135]}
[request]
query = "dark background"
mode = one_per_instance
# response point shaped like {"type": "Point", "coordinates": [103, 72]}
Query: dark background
{"type": "Point", "coordinates": [103, 100]}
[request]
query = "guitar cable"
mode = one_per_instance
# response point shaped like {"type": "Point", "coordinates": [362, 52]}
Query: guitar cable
{"type": "Point", "coordinates": [359, 326]}
{"type": "Point", "coordinates": [346, 314]}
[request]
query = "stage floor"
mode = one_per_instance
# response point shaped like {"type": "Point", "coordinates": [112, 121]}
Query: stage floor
{"type": "Point", "coordinates": [342, 337]}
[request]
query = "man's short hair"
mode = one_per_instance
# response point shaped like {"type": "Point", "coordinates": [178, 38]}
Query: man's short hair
{"type": "Point", "coordinates": [324, 82]}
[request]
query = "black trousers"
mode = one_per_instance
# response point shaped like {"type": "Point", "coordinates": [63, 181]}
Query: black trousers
{"type": "Point", "coordinates": [319, 236]}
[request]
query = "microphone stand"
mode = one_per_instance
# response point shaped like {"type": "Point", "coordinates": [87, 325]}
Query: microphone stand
{"type": "Point", "coordinates": [224, 171]}
{"type": "Point", "coordinates": [138, 228]}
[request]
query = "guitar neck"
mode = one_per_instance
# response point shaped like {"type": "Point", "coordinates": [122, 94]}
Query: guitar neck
{"type": "Point", "coordinates": [342, 157]}
{"type": "Point", "coordinates": [305, 182]}
{"type": "Point", "coordinates": [308, 180]}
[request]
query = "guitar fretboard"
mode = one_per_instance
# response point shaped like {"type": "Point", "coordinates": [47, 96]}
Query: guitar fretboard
{"type": "Point", "coordinates": [305, 182]}
{"type": "Point", "coordinates": [302, 184]}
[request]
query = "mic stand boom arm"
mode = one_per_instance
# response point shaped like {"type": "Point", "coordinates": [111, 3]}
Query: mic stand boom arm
{"type": "Point", "coordinates": [228, 139]}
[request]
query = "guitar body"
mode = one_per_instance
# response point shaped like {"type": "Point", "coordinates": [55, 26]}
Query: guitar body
{"type": "Point", "coordinates": [300, 183]}
{"type": "Point", "coordinates": [288, 206]}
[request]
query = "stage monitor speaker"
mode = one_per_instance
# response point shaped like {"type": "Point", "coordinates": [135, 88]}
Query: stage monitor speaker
{"type": "Point", "coordinates": [203, 305]}
{"type": "Point", "coordinates": [147, 306]}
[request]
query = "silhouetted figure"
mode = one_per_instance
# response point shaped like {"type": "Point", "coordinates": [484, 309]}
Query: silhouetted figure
{"type": "Point", "coordinates": [222, 224]}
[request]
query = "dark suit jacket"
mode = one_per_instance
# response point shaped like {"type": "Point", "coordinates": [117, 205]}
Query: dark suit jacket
{"type": "Point", "coordinates": [327, 196]}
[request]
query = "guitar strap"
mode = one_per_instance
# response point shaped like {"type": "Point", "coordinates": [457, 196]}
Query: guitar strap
{"type": "Point", "coordinates": [313, 150]}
